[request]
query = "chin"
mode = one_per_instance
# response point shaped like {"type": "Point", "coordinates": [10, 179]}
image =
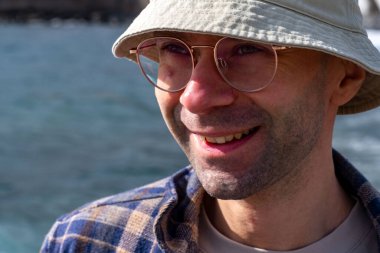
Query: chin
{"type": "Point", "coordinates": [224, 185]}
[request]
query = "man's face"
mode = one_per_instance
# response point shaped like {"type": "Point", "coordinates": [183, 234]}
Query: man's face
{"type": "Point", "coordinates": [241, 143]}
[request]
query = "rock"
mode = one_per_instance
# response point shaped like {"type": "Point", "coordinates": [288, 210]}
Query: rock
{"type": "Point", "coordinates": [116, 10]}
{"type": "Point", "coordinates": [98, 10]}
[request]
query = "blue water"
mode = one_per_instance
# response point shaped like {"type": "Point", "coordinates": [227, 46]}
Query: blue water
{"type": "Point", "coordinates": [77, 124]}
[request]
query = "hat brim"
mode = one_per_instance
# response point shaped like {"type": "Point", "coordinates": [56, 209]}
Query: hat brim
{"type": "Point", "coordinates": [265, 22]}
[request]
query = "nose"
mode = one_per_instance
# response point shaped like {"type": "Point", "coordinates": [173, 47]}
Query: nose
{"type": "Point", "coordinates": [206, 89]}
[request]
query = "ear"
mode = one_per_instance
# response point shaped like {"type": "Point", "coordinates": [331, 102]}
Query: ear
{"type": "Point", "coordinates": [349, 83]}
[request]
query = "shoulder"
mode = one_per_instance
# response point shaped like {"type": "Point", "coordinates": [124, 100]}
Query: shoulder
{"type": "Point", "coordinates": [358, 186]}
{"type": "Point", "coordinates": [106, 223]}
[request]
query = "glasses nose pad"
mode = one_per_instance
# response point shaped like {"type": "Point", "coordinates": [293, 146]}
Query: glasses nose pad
{"type": "Point", "coordinates": [222, 63]}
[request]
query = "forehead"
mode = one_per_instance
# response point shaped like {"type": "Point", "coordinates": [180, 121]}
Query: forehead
{"type": "Point", "coordinates": [190, 37]}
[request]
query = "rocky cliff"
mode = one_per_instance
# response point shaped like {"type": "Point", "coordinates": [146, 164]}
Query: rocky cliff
{"type": "Point", "coordinates": [100, 10]}
{"type": "Point", "coordinates": [115, 10]}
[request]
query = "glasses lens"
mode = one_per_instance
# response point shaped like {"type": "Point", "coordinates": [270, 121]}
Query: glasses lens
{"type": "Point", "coordinates": [245, 65]}
{"type": "Point", "coordinates": [166, 62]}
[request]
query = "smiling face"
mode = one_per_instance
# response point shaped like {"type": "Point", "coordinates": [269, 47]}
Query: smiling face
{"type": "Point", "coordinates": [241, 143]}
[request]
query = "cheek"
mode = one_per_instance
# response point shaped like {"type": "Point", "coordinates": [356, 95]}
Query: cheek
{"type": "Point", "coordinates": [288, 91]}
{"type": "Point", "coordinates": [297, 78]}
{"type": "Point", "coordinates": [170, 106]}
{"type": "Point", "coordinates": [167, 102]}
{"type": "Point", "coordinates": [279, 95]}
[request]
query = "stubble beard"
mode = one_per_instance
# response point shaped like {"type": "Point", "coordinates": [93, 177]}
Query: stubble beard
{"type": "Point", "coordinates": [279, 160]}
{"type": "Point", "coordinates": [289, 141]}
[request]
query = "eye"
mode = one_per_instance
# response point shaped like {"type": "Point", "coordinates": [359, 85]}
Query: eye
{"type": "Point", "coordinates": [175, 48]}
{"type": "Point", "coordinates": [245, 49]}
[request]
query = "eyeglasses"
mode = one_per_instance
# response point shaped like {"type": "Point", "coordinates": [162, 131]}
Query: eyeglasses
{"type": "Point", "coordinates": [168, 62]}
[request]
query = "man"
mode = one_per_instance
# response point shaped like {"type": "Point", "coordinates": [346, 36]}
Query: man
{"type": "Point", "coordinates": [250, 90]}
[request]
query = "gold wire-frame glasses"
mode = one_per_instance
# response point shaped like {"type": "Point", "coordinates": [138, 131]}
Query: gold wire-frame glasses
{"type": "Point", "coordinates": [168, 62]}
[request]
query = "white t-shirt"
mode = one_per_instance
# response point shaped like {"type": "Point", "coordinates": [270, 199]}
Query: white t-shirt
{"type": "Point", "coordinates": [355, 235]}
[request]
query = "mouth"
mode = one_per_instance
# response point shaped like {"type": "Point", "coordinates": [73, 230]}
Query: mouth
{"type": "Point", "coordinates": [220, 140]}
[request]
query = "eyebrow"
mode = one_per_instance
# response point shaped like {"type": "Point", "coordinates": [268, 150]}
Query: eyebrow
{"type": "Point", "coordinates": [186, 36]}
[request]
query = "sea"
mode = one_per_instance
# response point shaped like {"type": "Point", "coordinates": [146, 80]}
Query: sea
{"type": "Point", "coordinates": [77, 124]}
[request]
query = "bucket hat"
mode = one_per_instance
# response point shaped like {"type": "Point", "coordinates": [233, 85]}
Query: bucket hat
{"type": "Point", "coordinates": [334, 27]}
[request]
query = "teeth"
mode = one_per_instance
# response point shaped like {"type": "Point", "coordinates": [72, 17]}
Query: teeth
{"type": "Point", "coordinates": [220, 140]}
{"type": "Point", "coordinates": [229, 138]}
{"type": "Point", "coordinates": [238, 136]}
{"type": "Point", "coordinates": [210, 139]}
{"type": "Point", "coordinates": [224, 139]}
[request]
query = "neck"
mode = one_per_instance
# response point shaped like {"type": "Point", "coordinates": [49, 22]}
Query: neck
{"type": "Point", "coordinates": [291, 214]}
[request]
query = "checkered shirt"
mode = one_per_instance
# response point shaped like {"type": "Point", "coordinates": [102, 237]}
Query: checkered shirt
{"type": "Point", "coordinates": [163, 216]}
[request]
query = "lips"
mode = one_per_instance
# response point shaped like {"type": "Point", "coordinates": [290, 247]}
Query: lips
{"type": "Point", "coordinates": [228, 138]}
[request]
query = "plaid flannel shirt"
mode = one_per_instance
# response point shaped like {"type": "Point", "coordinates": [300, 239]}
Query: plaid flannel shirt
{"type": "Point", "coordinates": [163, 216]}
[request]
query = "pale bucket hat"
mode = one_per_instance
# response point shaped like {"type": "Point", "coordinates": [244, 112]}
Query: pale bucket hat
{"type": "Point", "coordinates": [334, 27]}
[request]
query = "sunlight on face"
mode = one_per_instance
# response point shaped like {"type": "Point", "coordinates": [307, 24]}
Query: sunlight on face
{"type": "Point", "coordinates": [285, 122]}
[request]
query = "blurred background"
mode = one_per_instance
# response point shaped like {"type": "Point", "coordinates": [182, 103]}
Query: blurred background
{"type": "Point", "coordinates": [76, 124]}
{"type": "Point", "coordinates": [85, 10]}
